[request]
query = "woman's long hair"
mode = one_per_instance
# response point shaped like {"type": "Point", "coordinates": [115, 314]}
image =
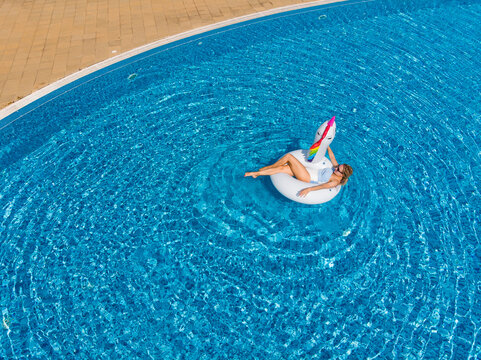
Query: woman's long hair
{"type": "Point", "coordinates": [346, 173]}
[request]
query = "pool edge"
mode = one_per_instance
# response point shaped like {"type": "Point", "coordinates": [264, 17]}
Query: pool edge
{"type": "Point", "coordinates": [7, 113]}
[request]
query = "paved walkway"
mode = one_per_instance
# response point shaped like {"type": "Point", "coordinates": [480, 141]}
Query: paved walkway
{"type": "Point", "coordinates": [42, 41]}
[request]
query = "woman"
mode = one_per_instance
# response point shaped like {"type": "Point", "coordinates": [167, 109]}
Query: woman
{"type": "Point", "coordinates": [325, 178]}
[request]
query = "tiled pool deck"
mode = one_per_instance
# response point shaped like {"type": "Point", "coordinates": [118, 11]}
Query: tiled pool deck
{"type": "Point", "coordinates": [42, 41]}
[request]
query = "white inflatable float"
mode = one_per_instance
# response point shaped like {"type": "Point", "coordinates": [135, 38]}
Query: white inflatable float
{"type": "Point", "coordinates": [289, 186]}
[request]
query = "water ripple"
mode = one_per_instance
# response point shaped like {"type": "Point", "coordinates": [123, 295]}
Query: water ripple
{"type": "Point", "coordinates": [130, 226]}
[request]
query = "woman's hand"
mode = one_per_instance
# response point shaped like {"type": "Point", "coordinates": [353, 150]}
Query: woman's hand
{"type": "Point", "coordinates": [304, 192]}
{"type": "Point", "coordinates": [328, 185]}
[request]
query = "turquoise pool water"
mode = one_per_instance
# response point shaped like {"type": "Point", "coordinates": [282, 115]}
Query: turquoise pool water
{"type": "Point", "coordinates": [127, 229]}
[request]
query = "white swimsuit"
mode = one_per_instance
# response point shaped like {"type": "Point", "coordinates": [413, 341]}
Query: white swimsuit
{"type": "Point", "coordinates": [320, 176]}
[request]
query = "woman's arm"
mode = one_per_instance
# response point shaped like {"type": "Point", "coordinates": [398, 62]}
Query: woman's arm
{"type": "Point", "coordinates": [332, 157]}
{"type": "Point", "coordinates": [328, 185]}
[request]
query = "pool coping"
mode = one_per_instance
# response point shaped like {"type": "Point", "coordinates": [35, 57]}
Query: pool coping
{"type": "Point", "coordinates": [20, 108]}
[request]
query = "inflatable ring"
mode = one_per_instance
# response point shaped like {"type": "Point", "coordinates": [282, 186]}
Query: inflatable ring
{"type": "Point", "coordinates": [290, 187]}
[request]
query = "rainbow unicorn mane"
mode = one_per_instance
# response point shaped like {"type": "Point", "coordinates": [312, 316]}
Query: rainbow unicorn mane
{"type": "Point", "coordinates": [315, 147]}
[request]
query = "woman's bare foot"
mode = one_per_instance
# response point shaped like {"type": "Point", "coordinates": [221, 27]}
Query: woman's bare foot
{"type": "Point", "coordinates": [253, 174]}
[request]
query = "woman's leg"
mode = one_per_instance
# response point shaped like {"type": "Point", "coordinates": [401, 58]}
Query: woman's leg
{"type": "Point", "coordinates": [281, 161]}
{"type": "Point", "coordinates": [292, 167]}
{"type": "Point", "coordinates": [271, 171]}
